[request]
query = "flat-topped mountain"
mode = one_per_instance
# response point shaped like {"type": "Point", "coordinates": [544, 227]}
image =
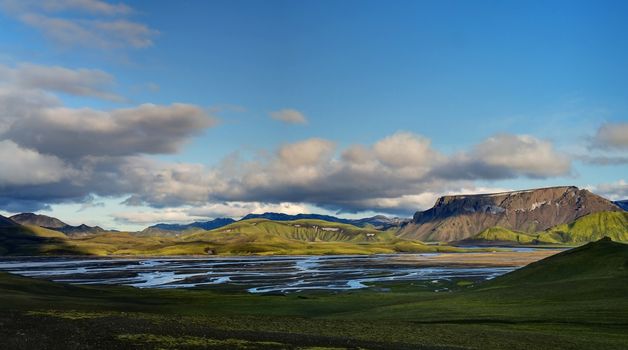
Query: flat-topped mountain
{"type": "Point", "coordinates": [462, 216]}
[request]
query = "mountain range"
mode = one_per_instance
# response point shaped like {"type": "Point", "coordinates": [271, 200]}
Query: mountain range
{"type": "Point", "coordinates": [557, 215]}
{"type": "Point", "coordinates": [51, 223]}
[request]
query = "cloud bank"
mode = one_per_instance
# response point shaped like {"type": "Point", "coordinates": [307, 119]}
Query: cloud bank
{"type": "Point", "coordinates": [52, 153]}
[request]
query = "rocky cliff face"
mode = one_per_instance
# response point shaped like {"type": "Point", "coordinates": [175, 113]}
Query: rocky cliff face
{"type": "Point", "coordinates": [462, 216]}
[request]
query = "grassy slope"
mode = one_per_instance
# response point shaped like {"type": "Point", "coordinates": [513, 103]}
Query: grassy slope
{"type": "Point", "coordinates": [500, 234]}
{"type": "Point", "coordinates": [588, 228]}
{"type": "Point", "coordinates": [574, 300]}
{"type": "Point", "coordinates": [257, 236]}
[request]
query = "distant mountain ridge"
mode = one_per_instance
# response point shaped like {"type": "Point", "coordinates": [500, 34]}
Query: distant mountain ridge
{"type": "Point", "coordinates": [168, 229]}
{"type": "Point", "coordinates": [459, 217]}
{"type": "Point", "coordinates": [56, 224]}
{"type": "Point", "coordinates": [622, 204]}
{"type": "Point", "coordinates": [379, 221]}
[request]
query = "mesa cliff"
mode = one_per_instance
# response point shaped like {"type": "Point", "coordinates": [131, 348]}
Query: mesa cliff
{"type": "Point", "coordinates": [458, 217]}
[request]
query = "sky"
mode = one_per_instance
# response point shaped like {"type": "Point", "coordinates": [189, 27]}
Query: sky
{"type": "Point", "coordinates": [124, 114]}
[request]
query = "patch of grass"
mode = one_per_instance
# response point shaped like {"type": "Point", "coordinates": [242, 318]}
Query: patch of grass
{"type": "Point", "coordinates": [170, 342]}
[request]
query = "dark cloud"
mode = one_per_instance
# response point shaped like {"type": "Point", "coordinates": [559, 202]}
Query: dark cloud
{"type": "Point", "coordinates": [75, 133]}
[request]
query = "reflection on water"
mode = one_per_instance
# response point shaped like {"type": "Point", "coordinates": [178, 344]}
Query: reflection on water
{"type": "Point", "coordinates": [255, 274]}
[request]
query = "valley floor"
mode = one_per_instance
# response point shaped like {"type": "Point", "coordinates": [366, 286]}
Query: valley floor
{"type": "Point", "coordinates": [38, 314]}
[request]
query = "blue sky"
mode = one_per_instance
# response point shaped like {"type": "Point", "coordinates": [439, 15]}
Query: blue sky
{"type": "Point", "coordinates": [456, 73]}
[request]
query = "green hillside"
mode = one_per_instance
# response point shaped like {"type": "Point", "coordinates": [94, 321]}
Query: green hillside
{"type": "Point", "coordinates": [500, 234]}
{"type": "Point", "coordinates": [300, 230]}
{"type": "Point", "coordinates": [256, 236]}
{"type": "Point", "coordinates": [588, 228]}
{"type": "Point", "coordinates": [262, 236]}
{"type": "Point", "coordinates": [33, 240]}
{"type": "Point", "coordinates": [603, 259]}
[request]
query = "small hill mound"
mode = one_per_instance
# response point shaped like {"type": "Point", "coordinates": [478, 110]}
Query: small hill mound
{"type": "Point", "coordinates": [299, 230]}
{"type": "Point", "coordinates": [601, 259]}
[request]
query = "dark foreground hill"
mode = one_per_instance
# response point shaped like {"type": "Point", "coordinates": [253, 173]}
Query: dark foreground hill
{"type": "Point", "coordinates": [459, 217]}
{"type": "Point", "coordinates": [603, 259]}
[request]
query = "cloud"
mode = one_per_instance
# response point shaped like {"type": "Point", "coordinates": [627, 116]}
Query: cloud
{"type": "Point", "coordinates": [19, 166]}
{"type": "Point", "coordinates": [507, 156]}
{"type": "Point", "coordinates": [617, 190]}
{"type": "Point", "coordinates": [17, 103]}
{"type": "Point", "coordinates": [396, 174]}
{"type": "Point", "coordinates": [79, 82]}
{"type": "Point", "coordinates": [55, 154]}
{"type": "Point", "coordinates": [306, 153]}
{"type": "Point", "coordinates": [291, 116]}
{"type": "Point", "coordinates": [603, 159]}
{"type": "Point", "coordinates": [51, 6]}
{"type": "Point", "coordinates": [611, 136]}
{"type": "Point", "coordinates": [73, 133]}
{"type": "Point", "coordinates": [106, 153]}
{"type": "Point", "coordinates": [83, 23]}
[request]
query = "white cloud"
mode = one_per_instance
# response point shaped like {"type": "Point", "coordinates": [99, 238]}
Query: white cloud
{"type": "Point", "coordinates": [612, 136]}
{"type": "Point", "coordinates": [614, 191]}
{"type": "Point", "coordinates": [507, 156]}
{"type": "Point", "coordinates": [291, 116]}
{"type": "Point", "coordinates": [88, 6]}
{"type": "Point", "coordinates": [83, 23]}
{"type": "Point", "coordinates": [19, 166]}
{"type": "Point", "coordinates": [79, 82]}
